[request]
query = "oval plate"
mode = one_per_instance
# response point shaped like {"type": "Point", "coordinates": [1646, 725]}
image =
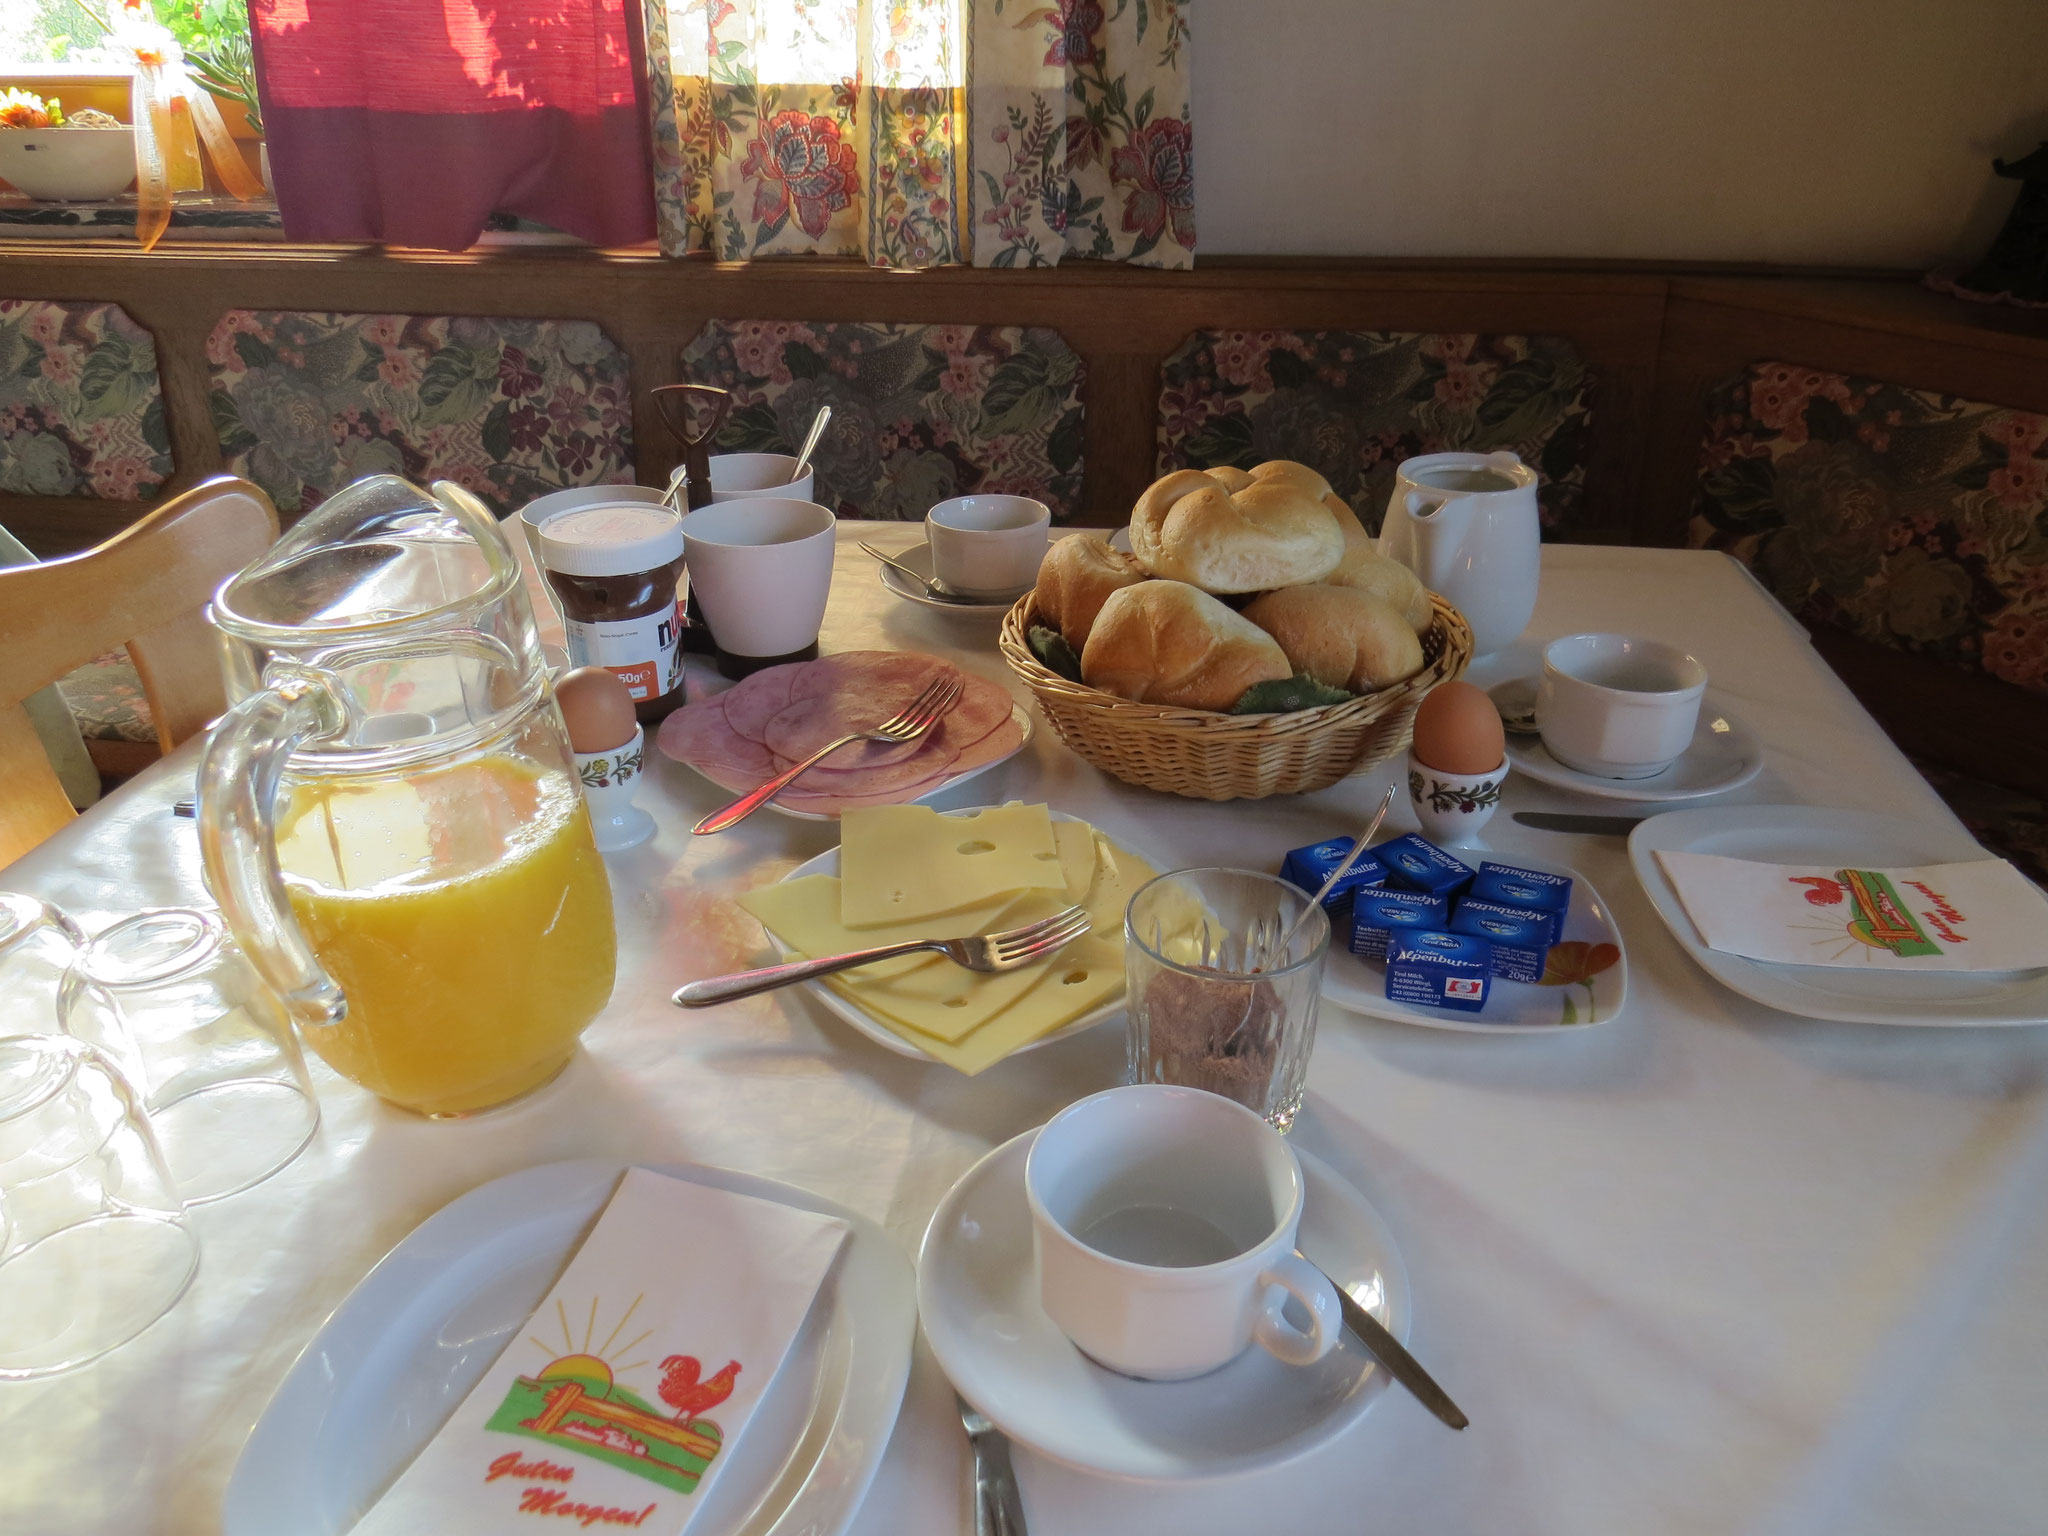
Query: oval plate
{"type": "Point", "coordinates": [1584, 984]}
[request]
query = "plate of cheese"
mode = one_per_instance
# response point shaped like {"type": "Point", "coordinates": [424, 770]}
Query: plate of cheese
{"type": "Point", "coordinates": [910, 872]}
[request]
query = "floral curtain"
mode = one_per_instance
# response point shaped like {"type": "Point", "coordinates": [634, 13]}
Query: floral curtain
{"type": "Point", "coordinates": [916, 133]}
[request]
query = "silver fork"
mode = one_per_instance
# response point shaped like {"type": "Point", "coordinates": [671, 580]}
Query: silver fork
{"type": "Point", "coordinates": [907, 724]}
{"type": "Point", "coordinates": [986, 952]}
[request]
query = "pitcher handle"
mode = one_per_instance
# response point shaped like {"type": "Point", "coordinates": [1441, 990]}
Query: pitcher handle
{"type": "Point", "coordinates": [239, 773]}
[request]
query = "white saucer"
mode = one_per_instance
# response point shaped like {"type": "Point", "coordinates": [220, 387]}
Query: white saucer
{"type": "Point", "coordinates": [1512, 1007]}
{"type": "Point", "coordinates": [419, 1331]}
{"type": "Point", "coordinates": [827, 863]}
{"type": "Point", "coordinates": [1724, 754]}
{"type": "Point", "coordinates": [1809, 834]}
{"type": "Point", "coordinates": [977, 1297]}
{"type": "Point", "coordinates": [919, 558]}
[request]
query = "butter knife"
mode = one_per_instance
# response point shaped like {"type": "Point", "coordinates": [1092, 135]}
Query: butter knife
{"type": "Point", "coordinates": [998, 1508]}
{"type": "Point", "coordinates": [1599, 826]}
{"type": "Point", "coordinates": [1400, 1365]}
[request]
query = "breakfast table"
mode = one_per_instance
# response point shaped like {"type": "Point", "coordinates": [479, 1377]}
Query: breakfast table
{"type": "Point", "coordinates": [1705, 1268]}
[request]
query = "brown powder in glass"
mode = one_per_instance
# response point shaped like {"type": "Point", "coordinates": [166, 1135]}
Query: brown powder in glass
{"type": "Point", "coordinates": [1217, 1033]}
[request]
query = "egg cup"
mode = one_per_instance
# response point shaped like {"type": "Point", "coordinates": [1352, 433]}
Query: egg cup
{"type": "Point", "coordinates": [610, 779]}
{"type": "Point", "coordinates": [1452, 807]}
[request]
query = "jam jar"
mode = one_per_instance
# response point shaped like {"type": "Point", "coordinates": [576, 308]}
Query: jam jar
{"type": "Point", "coordinates": [615, 569]}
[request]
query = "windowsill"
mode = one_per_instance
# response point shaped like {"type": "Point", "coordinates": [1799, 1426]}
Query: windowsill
{"type": "Point", "coordinates": [193, 217]}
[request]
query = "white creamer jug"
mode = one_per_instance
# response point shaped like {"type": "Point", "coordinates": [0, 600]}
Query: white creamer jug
{"type": "Point", "coordinates": [1466, 523]}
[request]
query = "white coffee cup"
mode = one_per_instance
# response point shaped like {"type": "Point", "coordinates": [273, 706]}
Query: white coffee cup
{"type": "Point", "coordinates": [1618, 706]}
{"type": "Point", "coordinates": [761, 570]}
{"type": "Point", "coordinates": [1164, 1220]}
{"type": "Point", "coordinates": [748, 476]}
{"type": "Point", "coordinates": [988, 546]}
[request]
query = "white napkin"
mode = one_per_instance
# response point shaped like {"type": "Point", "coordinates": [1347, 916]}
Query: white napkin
{"type": "Point", "coordinates": [1980, 916]}
{"type": "Point", "coordinates": [618, 1402]}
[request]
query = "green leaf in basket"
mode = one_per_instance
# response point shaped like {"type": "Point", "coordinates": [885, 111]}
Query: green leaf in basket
{"type": "Point", "coordinates": [1053, 652]}
{"type": "Point", "coordinates": [1288, 695]}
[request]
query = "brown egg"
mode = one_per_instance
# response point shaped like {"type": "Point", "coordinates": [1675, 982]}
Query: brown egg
{"type": "Point", "coordinates": [1457, 730]}
{"type": "Point", "coordinates": [597, 708]}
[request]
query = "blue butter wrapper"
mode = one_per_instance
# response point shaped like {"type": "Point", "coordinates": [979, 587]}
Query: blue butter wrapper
{"type": "Point", "coordinates": [1520, 938]}
{"type": "Point", "coordinates": [1419, 865]}
{"type": "Point", "coordinates": [1536, 889]}
{"type": "Point", "coordinates": [1440, 970]}
{"type": "Point", "coordinates": [1376, 915]}
{"type": "Point", "coordinates": [1307, 868]}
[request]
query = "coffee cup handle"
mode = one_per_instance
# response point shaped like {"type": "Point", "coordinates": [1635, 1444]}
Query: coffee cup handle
{"type": "Point", "coordinates": [1306, 1284]}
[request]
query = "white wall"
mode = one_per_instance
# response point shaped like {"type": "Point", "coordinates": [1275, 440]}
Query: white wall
{"type": "Point", "coordinates": [1833, 131]}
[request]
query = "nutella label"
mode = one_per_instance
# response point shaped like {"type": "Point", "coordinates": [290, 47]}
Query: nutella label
{"type": "Point", "coordinates": [645, 653]}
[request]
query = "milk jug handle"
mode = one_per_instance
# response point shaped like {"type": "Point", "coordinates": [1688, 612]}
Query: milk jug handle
{"type": "Point", "coordinates": [239, 772]}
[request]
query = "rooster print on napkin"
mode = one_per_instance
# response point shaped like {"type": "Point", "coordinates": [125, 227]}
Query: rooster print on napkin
{"type": "Point", "coordinates": [615, 1404]}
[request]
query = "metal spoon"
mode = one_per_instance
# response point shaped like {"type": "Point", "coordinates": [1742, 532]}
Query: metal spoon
{"type": "Point", "coordinates": [677, 479]}
{"type": "Point", "coordinates": [935, 589]}
{"type": "Point", "coordinates": [803, 458]}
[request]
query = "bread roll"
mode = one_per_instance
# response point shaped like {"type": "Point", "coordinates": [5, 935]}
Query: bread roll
{"type": "Point", "coordinates": [1163, 642]}
{"type": "Point", "coordinates": [1232, 530]}
{"type": "Point", "coordinates": [1392, 583]}
{"type": "Point", "coordinates": [1340, 636]}
{"type": "Point", "coordinates": [1359, 546]}
{"type": "Point", "coordinates": [1075, 580]}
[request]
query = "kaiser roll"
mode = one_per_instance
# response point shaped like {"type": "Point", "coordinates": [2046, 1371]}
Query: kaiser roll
{"type": "Point", "coordinates": [1359, 546]}
{"type": "Point", "coordinates": [1232, 530]}
{"type": "Point", "coordinates": [1390, 581]}
{"type": "Point", "coordinates": [1164, 642]}
{"type": "Point", "coordinates": [1075, 580]}
{"type": "Point", "coordinates": [1340, 636]}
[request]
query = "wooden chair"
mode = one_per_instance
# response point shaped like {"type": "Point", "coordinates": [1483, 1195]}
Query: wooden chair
{"type": "Point", "coordinates": [146, 588]}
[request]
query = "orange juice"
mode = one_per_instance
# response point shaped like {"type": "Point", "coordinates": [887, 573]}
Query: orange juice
{"type": "Point", "coordinates": [465, 914]}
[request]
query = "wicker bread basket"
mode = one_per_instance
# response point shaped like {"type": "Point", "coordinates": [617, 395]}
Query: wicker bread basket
{"type": "Point", "coordinates": [1209, 756]}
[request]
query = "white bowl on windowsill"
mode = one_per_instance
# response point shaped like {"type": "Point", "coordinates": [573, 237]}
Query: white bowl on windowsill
{"type": "Point", "coordinates": [68, 165]}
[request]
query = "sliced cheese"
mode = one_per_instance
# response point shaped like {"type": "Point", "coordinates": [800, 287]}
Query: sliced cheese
{"type": "Point", "coordinates": [1085, 975]}
{"type": "Point", "coordinates": [900, 863]}
{"type": "Point", "coordinates": [804, 915]}
{"type": "Point", "coordinates": [1118, 874]}
{"type": "Point", "coordinates": [1076, 840]}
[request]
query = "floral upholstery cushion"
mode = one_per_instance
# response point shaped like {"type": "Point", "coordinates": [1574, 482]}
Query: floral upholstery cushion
{"type": "Point", "coordinates": [105, 698]}
{"type": "Point", "coordinates": [307, 402]}
{"type": "Point", "coordinates": [1353, 404]}
{"type": "Point", "coordinates": [919, 412]}
{"type": "Point", "coordinates": [81, 409]}
{"type": "Point", "coordinates": [1912, 519]}
{"type": "Point", "coordinates": [2012, 824]}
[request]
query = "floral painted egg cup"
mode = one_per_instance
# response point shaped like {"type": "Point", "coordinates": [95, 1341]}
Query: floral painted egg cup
{"type": "Point", "coordinates": [1453, 807]}
{"type": "Point", "coordinates": [610, 780]}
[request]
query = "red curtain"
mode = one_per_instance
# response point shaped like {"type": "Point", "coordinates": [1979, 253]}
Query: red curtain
{"type": "Point", "coordinates": [411, 121]}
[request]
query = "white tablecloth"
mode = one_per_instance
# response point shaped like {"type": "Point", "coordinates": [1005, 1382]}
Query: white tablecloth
{"type": "Point", "coordinates": [1706, 1269]}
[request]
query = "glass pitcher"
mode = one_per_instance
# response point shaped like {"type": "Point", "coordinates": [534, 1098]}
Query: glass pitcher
{"type": "Point", "coordinates": [389, 814]}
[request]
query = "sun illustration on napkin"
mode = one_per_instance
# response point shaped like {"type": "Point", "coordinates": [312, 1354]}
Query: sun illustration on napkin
{"type": "Point", "coordinates": [576, 1403]}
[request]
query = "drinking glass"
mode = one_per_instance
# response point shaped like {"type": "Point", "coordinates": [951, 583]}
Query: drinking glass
{"type": "Point", "coordinates": [94, 1245]}
{"type": "Point", "coordinates": [1213, 1002]}
{"type": "Point", "coordinates": [37, 945]}
{"type": "Point", "coordinates": [167, 996]}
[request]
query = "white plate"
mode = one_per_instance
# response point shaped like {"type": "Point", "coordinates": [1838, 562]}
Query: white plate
{"type": "Point", "coordinates": [1512, 1007]}
{"type": "Point", "coordinates": [422, 1328]}
{"type": "Point", "coordinates": [827, 863]}
{"type": "Point", "coordinates": [1804, 834]}
{"type": "Point", "coordinates": [1018, 715]}
{"type": "Point", "coordinates": [919, 558]}
{"type": "Point", "coordinates": [1724, 755]}
{"type": "Point", "coordinates": [977, 1295]}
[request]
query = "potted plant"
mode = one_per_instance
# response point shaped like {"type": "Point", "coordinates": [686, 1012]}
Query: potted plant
{"type": "Point", "coordinates": [83, 158]}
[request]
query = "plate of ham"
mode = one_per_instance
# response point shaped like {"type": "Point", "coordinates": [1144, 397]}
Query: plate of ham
{"type": "Point", "coordinates": [745, 736]}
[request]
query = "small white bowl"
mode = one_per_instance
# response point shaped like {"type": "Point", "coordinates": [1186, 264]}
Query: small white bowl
{"type": "Point", "coordinates": [743, 476]}
{"type": "Point", "coordinates": [988, 546]}
{"type": "Point", "coordinates": [68, 165]}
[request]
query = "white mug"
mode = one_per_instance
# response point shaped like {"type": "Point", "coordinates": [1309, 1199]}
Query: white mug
{"type": "Point", "coordinates": [1164, 1220]}
{"type": "Point", "coordinates": [1618, 706]}
{"type": "Point", "coordinates": [761, 570]}
{"type": "Point", "coordinates": [988, 546]}
{"type": "Point", "coordinates": [747, 476]}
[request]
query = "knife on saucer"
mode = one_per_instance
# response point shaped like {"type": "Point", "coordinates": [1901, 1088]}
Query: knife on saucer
{"type": "Point", "coordinates": [998, 1509]}
{"type": "Point", "coordinates": [1600, 826]}
{"type": "Point", "coordinates": [1400, 1365]}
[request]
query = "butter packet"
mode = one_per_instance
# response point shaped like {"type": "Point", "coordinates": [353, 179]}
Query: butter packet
{"type": "Point", "coordinates": [1520, 939]}
{"type": "Point", "coordinates": [1440, 970]}
{"type": "Point", "coordinates": [1307, 869]}
{"type": "Point", "coordinates": [1419, 865]}
{"type": "Point", "coordinates": [1377, 915]}
{"type": "Point", "coordinates": [1534, 889]}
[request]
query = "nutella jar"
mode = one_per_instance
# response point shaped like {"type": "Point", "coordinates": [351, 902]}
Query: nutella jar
{"type": "Point", "coordinates": [615, 570]}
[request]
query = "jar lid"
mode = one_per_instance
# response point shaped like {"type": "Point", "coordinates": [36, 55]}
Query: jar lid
{"type": "Point", "coordinates": [623, 539]}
